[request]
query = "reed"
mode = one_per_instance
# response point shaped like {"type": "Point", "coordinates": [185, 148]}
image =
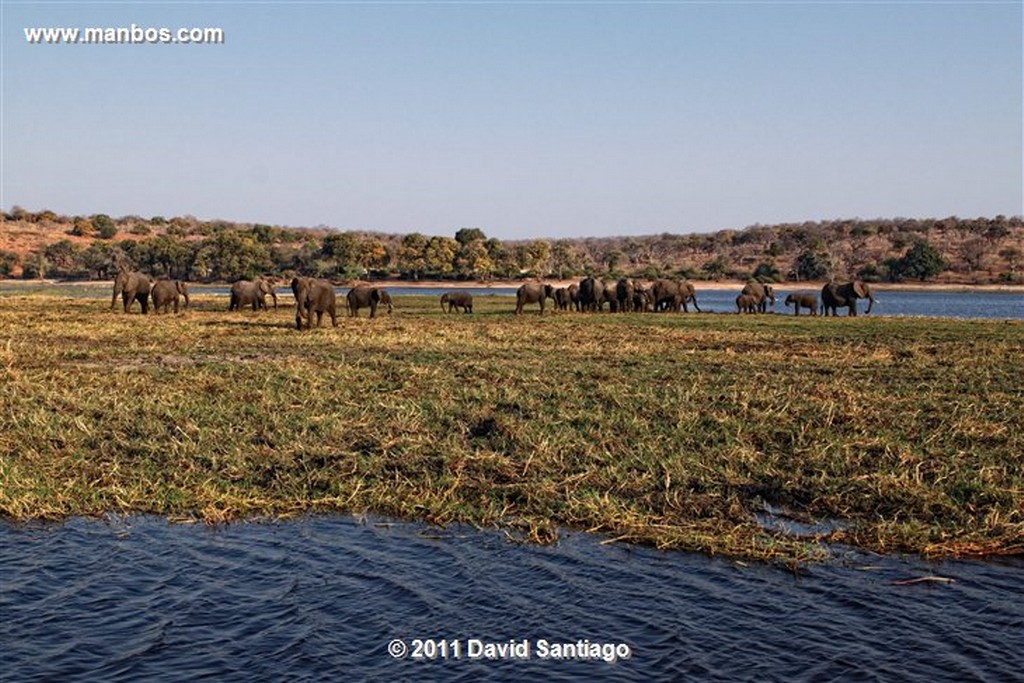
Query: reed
{"type": "Point", "coordinates": [669, 430]}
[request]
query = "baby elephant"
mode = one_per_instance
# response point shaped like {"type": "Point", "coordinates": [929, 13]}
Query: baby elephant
{"type": "Point", "coordinates": [167, 292]}
{"type": "Point", "coordinates": [808, 300]}
{"type": "Point", "coordinates": [457, 300]}
{"type": "Point", "coordinates": [746, 303]}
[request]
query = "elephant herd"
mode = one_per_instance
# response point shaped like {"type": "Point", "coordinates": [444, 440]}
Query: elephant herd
{"type": "Point", "coordinates": [316, 297]}
{"type": "Point", "coordinates": [626, 295]}
{"type": "Point", "coordinates": [312, 296]}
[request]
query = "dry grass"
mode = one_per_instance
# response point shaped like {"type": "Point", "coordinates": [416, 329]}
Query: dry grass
{"type": "Point", "coordinates": [667, 430]}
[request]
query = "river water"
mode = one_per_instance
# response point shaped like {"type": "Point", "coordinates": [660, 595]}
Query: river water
{"type": "Point", "coordinates": [328, 598]}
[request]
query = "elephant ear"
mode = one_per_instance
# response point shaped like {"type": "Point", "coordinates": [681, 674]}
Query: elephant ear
{"type": "Point", "coordinates": [860, 290]}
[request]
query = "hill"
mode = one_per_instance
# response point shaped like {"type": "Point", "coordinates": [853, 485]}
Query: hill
{"type": "Point", "coordinates": [947, 250]}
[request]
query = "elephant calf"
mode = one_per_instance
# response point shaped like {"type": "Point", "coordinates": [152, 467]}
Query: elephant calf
{"type": "Point", "coordinates": [457, 300]}
{"type": "Point", "coordinates": [747, 303]}
{"type": "Point", "coordinates": [168, 292]}
{"type": "Point", "coordinates": [808, 300]}
{"type": "Point", "coordinates": [251, 293]}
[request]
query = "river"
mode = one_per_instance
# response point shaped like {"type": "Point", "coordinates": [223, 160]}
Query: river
{"type": "Point", "coordinates": [335, 597]}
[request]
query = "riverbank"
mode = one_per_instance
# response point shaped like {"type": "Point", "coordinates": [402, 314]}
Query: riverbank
{"type": "Point", "coordinates": [678, 432]}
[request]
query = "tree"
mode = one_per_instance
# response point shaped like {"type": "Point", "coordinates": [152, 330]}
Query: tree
{"type": "Point", "coordinates": [104, 224]}
{"type": "Point", "coordinates": [8, 259]}
{"type": "Point", "coordinates": [439, 255]}
{"type": "Point", "coordinates": [812, 265]}
{"type": "Point", "coordinates": [467, 235]}
{"type": "Point", "coordinates": [921, 262]}
{"type": "Point", "coordinates": [411, 262]}
{"type": "Point", "coordinates": [63, 256]}
{"type": "Point", "coordinates": [474, 260]}
{"type": "Point", "coordinates": [767, 272]}
{"type": "Point", "coordinates": [1012, 256]}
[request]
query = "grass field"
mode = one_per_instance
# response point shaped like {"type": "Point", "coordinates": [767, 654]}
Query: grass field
{"type": "Point", "coordinates": [669, 430]}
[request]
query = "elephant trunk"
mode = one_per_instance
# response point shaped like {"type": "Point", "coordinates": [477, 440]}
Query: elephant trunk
{"type": "Point", "coordinates": [871, 302]}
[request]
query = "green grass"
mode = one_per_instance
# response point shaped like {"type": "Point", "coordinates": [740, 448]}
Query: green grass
{"type": "Point", "coordinates": [668, 430]}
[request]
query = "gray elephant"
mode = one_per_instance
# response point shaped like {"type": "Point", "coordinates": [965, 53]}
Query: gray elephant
{"type": "Point", "coordinates": [574, 296]}
{"type": "Point", "coordinates": [835, 295]}
{"type": "Point", "coordinates": [313, 296]}
{"type": "Point", "coordinates": [132, 286]}
{"type": "Point", "coordinates": [533, 293]}
{"type": "Point", "coordinates": [385, 300]}
{"type": "Point", "coordinates": [624, 291]}
{"type": "Point", "coordinates": [609, 295]}
{"type": "Point", "coordinates": [365, 296]}
{"type": "Point", "coordinates": [562, 298]}
{"type": "Point", "coordinates": [589, 294]}
{"type": "Point", "coordinates": [763, 292]}
{"type": "Point", "coordinates": [671, 295]}
{"type": "Point", "coordinates": [747, 303]}
{"type": "Point", "coordinates": [808, 300]}
{"type": "Point", "coordinates": [457, 300]}
{"type": "Point", "coordinates": [168, 292]}
{"type": "Point", "coordinates": [642, 298]}
{"type": "Point", "coordinates": [252, 293]}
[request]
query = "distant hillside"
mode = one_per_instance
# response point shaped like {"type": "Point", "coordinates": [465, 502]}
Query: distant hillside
{"type": "Point", "coordinates": [948, 250]}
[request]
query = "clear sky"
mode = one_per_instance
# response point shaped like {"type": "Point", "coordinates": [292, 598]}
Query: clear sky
{"type": "Point", "coordinates": [523, 119]}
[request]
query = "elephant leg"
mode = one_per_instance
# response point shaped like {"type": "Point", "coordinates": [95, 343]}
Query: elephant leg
{"type": "Point", "coordinates": [373, 309]}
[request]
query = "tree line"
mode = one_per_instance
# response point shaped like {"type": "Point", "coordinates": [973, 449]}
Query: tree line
{"type": "Point", "coordinates": [982, 249]}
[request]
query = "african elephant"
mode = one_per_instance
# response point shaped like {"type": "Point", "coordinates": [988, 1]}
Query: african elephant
{"type": "Point", "coordinates": [746, 303]}
{"type": "Point", "coordinates": [835, 295]}
{"type": "Point", "coordinates": [167, 292]}
{"type": "Point", "coordinates": [457, 300]}
{"type": "Point", "coordinates": [131, 286]}
{"type": "Point", "coordinates": [251, 293]}
{"type": "Point", "coordinates": [365, 296]}
{"type": "Point", "coordinates": [385, 300]}
{"type": "Point", "coordinates": [624, 291]}
{"type": "Point", "coordinates": [589, 294]}
{"type": "Point", "coordinates": [763, 292]}
{"type": "Point", "coordinates": [562, 298]}
{"type": "Point", "coordinates": [609, 295]}
{"type": "Point", "coordinates": [808, 300]}
{"type": "Point", "coordinates": [670, 295]}
{"type": "Point", "coordinates": [313, 296]}
{"type": "Point", "coordinates": [574, 296]}
{"type": "Point", "coordinates": [642, 298]}
{"type": "Point", "coordinates": [532, 293]}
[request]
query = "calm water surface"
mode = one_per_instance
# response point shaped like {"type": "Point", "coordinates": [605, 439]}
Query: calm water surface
{"type": "Point", "coordinates": [136, 598]}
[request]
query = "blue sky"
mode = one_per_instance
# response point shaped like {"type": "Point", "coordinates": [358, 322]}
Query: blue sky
{"type": "Point", "coordinates": [525, 120]}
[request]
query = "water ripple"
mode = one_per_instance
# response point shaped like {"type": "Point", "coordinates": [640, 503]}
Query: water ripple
{"type": "Point", "coordinates": [135, 598]}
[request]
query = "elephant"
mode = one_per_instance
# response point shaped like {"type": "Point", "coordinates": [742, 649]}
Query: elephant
{"type": "Point", "coordinates": [532, 293]}
{"type": "Point", "coordinates": [166, 292]}
{"type": "Point", "coordinates": [132, 286]}
{"type": "Point", "coordinates": [746, 303]}
{"type": "Point", "coordinates": [574, 296]}
{"type": "Point", "coordinates": [835, 295]}
{"type": "Point", "coordinates": [763, 292]}
{"type": "Point", "coordinates": [313, 296]}
{"type": "Point", "coordinates": [808, 300]}
{"type": "Point", "coordinates": [365, 296]}
{"type": "Point", "coordinates": [641, 299]}
{"type": "Point", "coordinates": [385, 300]}
{"type": "Point", "coordinates": [589, 294]}
{"type": "Point", "coordinates": [457, 300]}
{"type": "Point", "coordinates": [673, 294]}
{"type": "Point", "coordinates": [624, 291]}
{"type": "Point", "coordinates": [609, 295]}
{"type": "Point", "coordinates": [562, 298]}
{"type": "Point", "coordinates": [252, 293]}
